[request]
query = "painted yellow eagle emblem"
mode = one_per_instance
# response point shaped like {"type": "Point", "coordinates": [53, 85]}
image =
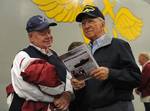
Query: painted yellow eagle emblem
{"type": "Point", "coordinates": [62, 10]}
{"type": "Point", "coordinates": [125, 22]}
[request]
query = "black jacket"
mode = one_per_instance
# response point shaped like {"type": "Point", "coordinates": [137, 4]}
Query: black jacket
{"type": "Point", "coordinates": [123, 77]}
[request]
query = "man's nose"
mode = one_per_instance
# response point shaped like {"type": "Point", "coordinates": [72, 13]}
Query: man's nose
{"type": "Point", "coordinates": [48, 35]}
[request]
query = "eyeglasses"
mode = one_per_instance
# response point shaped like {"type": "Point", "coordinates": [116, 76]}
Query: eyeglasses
{"type": "Point", "coordinates": [90, 21]}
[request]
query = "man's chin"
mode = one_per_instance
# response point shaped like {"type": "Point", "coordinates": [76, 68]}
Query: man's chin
{"type": "Point", "coordinates": [47, 47]}
{"type": "Point", "coordinates": [89, 37]}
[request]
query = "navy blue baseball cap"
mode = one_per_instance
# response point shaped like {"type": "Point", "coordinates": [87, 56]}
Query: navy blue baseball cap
{"type": "Point", "coordinates": [90, 12]}
{"type": "Point", "coordinates": [38, 23]}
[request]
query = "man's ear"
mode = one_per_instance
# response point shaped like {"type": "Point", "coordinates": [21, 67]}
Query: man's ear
{"type": "Point", "coordinates": [103, 24]}
{"type": "Point", "coordinates": [30, 35]}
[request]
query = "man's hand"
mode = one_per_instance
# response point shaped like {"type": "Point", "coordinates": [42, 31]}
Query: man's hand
{"type": "Point", "coordinates": [101, 73]}
{"type": "Point", "coordinates": [77, 84]}
{"type": "Point", "coordinates": [62, 103]}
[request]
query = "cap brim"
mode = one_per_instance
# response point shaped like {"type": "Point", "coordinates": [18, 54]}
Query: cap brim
{"type": "Point", "coordinates": [44, 26]}
{"type": "Point", "coordinates": [52, 24]}
{"type": "Point", "coordinates": [82, 15]}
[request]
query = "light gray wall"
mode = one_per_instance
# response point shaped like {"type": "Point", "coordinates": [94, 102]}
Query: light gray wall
{"type": "Point", "coordinates": [13, 37]}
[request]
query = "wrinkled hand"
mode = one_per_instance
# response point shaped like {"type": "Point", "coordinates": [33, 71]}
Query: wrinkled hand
{"type": "Point", "coordinates": [77, 84]}
{"type": "Point", "coordinates": [101, 73]}
{"type": "Point", "coordinates": [62, 103]}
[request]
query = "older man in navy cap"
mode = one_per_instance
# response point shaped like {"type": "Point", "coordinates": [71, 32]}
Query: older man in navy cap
{"type": "Point", "coordinates": [112, 83]}
{"type": "Point", "coordinates": [38, 75]}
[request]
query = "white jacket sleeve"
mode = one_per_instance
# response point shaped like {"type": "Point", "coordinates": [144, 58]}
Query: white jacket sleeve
{"type": "Point", "coordinates": [22, 88]}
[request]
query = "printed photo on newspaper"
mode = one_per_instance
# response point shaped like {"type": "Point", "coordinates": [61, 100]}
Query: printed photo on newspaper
{"type": "Point", "coordinates": [79, 62]}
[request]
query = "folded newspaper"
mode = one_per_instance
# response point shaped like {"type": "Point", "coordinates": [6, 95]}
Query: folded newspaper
{"type": "Point", "coordinates": [79, 61]}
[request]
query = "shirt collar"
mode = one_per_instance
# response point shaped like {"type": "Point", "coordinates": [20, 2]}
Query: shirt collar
{"type": "Point", "coordinates": [102, 41]}
{"type": "Point", "coordinates": [146, 63]}
{"type": "Point", "coordinates": [49, 53]}
{"type": "Point", "coordinates": [96, 42]}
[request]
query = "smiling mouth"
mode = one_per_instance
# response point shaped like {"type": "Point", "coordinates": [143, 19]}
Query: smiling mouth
{"type": "Point", "coordinates": [89, 31]}
{"type": "Point", "coordinates": [46, 41]}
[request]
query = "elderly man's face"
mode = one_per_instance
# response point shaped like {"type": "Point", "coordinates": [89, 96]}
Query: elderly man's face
{"type": "Point", "coordinates": [141, 60]}
{"type": "Point", "coordinates": [42, 39]}
{"type": "Point", "coordinates": [93, 27]}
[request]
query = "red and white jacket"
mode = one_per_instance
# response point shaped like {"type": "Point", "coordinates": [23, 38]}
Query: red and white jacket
{"type": "Point", "coordinates": [35, 80]}
{"type": "Point", "coordinates": [144, 87]}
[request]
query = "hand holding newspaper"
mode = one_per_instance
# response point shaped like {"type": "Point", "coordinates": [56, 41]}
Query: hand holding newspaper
{"type": "Point", "coordinates": [79, 61]}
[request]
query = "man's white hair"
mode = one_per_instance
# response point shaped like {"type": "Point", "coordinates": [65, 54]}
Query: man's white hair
{"type": "Point", "coordinates": [145, 55]}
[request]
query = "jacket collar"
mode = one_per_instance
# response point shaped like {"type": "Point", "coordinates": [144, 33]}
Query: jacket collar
{"type": "Point", "coordinates": [146, 63]}
{"type": "Point", "coordinates": [42, 50]}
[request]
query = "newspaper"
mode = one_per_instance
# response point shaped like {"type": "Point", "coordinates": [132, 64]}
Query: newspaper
{"type": "Point", "coordinates": [79, 61]}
